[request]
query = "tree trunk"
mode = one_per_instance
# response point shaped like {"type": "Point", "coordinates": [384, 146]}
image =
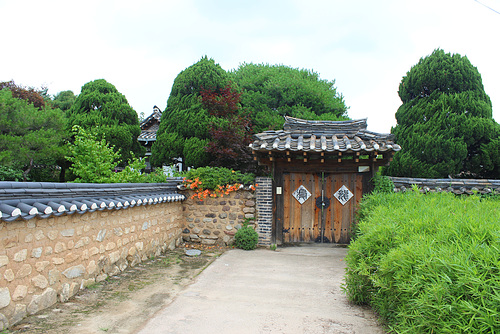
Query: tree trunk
{"type": "Point", "coordinates": [28, 170]}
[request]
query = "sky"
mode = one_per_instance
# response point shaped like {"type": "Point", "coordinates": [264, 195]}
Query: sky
{"type": "Point", "coordinates": [365, 46]}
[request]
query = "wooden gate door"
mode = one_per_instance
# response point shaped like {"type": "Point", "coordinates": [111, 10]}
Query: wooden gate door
{"type": "Point", "coordinates": [319, 207]}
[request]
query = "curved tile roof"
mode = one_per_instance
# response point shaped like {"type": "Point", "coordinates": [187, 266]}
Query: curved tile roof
{"type": "Point", "coordinates": [150, 126]}
{"type": "Point", "coordinates": [456, 186]}
{"type": "Point", "coordinates": [27, 200]}
{"type": "Point", "coordinates": [323, 136]}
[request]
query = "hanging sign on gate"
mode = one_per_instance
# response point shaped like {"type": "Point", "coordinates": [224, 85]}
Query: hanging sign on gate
{"type": "Point", "coordinates": [301, 194]}
{"type": "Point", "coordinates": [343, 195]}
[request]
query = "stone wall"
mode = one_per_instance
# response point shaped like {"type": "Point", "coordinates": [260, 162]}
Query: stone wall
{"type": "Point", "coordinates": [43, 261]}
{"type": "Point", "coordinates": [216, 220]}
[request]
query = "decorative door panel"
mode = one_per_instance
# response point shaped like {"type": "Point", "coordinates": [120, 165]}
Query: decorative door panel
{"type": "Point", "coordinates": [319, 207]}
{"type": "Point", "coordinates": [301, 219]}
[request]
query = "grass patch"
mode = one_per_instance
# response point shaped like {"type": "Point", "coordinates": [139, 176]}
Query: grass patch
{"type": "Point", "coordinates": [428, 263]}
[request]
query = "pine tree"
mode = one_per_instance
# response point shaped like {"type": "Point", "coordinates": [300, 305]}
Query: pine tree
{"type": "Point", "coordinates": [100, 107]}
{"type": "Point", "coordinates": [445, 125]}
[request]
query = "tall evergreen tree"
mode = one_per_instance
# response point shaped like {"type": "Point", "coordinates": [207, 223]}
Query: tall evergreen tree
{"type": "Point", "coordinates": [100, 107]}
{"type": "Point", "coordinates": [185, 123]}
{"type": "Point", "coordinates": [445, 124]}
{"type": "Point", "coordinates": [64, 100]}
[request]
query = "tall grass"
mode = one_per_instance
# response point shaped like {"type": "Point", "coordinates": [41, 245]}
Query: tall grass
{"type": "Point", "coordinates": [428, 263]}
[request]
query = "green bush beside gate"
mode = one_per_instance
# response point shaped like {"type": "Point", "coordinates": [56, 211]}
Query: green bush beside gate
{"type": "Point", "coordinates": [428, 263]}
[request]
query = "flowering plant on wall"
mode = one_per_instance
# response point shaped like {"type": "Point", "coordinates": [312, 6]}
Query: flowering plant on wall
{"type": "Point", "coordinates": [216, 182]}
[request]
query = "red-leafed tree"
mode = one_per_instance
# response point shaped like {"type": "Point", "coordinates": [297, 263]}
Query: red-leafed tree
{"type": "Point", "coordinates": [29, 94]}
{"type": "Point", "coordinates": [231, 133]}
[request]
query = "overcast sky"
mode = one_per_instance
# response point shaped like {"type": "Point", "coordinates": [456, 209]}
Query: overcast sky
{"type": "Point", "coordinates": [140, 46]}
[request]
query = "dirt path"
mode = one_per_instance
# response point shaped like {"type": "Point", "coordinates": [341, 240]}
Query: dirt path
{"type": "Point", "coordinates": [122, 303]}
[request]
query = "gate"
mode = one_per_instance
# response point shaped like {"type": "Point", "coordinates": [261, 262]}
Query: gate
{"type": "Point", "coordinates": [319, 207]}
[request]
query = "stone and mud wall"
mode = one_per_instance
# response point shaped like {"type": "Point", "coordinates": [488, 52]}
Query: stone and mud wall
{"type": "Point", "coordinates": [46, 260]}
{"type": "Point", "coordinates": [216, 220]}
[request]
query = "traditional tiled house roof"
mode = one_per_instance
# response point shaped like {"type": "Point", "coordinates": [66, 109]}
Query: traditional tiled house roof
{"type": "Point", "coordinates": [323, 136]}
{"type": "Point", "coordinates": [149, 126]}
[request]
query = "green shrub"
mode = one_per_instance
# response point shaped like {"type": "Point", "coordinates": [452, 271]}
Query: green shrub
{"type": "Point", "coordinates": [382, 184]}
{"type": "Point", "coordinates": [10, 174]}
{"type": "Point", "coordinates": [246, 238]}
{"type": "Point", "coordinates": [428, 263]}
{"type": "Point", "coordinates": [156, 176]}
{"type": "Point", "coordinates": [212, 177]}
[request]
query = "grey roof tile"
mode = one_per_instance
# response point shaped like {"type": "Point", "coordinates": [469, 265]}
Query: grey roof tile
{"type": "Point", "coordinates": [457, 186]}
{"type": "Point", "coordinates": [323, 136]}
{"type": "Point", "coordinates": [51, 199]}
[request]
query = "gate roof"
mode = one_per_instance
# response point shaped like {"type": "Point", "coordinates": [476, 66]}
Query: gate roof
{"type": "Point", "coordinates": [324, 136]}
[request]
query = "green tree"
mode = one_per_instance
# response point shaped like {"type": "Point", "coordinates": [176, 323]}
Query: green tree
{"type": "Point", "coordinates": [184, 127]}
{"type": "Point", "coordinates": [104, 110]}
{"type": "Point", "coordinates": [93, 159]}
{"type": "Point", "coordinates": [271, 91]}
{"type": "Point", "coordinates": [29, 135]}
{"type": "Point", "coordinates": [445, 124]}
{"type": "Point", "coordinates": [64, 100]}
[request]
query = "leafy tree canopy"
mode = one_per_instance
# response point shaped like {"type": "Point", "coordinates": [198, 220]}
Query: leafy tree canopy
{"type": "Point", "coordinates": [94, 161]}
{"type": "Point", "coordinates": [106, 111]}
{"type": "Point", "coordinates": [271, 91]}
{"type": "Point", "coordinates": [29, 136]}
{"type": "Point", "coordinates": [445, 123]}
